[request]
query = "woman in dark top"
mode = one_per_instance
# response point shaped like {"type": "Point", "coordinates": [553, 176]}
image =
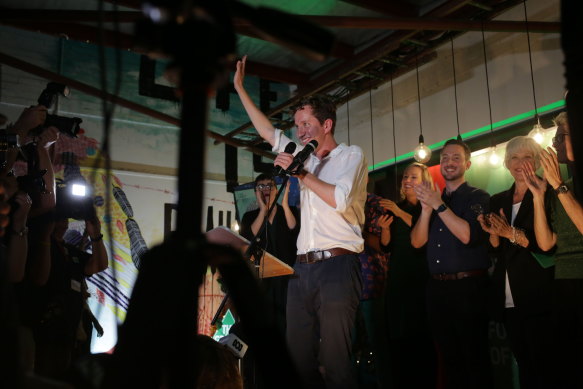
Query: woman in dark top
{"type": "Point", "coordinates": [279, 238]}
{"type": "Point", "coordinates": [412, 354]}
{"type": "Point", "coordinates": [521, 284]}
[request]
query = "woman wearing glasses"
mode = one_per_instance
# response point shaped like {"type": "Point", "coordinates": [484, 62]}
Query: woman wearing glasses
{"type": "Point", "coordinates": [558, 223]}
{"type": "Point", "coordinates": [278, 238]}
{"type": "Point", "coordinates": [522, 283]}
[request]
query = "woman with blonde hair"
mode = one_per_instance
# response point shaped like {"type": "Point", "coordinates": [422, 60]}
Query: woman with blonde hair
{"type": "Point", "coordinates": [410, 344]}
{"type": "Point", "coordinates": [521, 283]}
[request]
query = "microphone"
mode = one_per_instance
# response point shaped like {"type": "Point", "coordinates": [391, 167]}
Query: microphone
{"type": "Point", "coordinates": [300, 157]}
{"type": "Point", "coordinates": [289, 148]}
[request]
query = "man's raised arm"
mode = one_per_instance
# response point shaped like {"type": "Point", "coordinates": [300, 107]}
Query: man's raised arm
{"type": "Point", "coordinates": [259, 120]}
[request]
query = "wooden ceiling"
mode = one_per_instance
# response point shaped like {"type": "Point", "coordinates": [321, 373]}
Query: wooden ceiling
{"type": "Point", "coordinates": [376, 40]}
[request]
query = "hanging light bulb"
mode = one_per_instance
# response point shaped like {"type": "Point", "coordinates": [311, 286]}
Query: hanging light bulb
{"type": "Point", "coordinates": [422, 153]}
{"type": "Point", "coordinates": [537, 132]}
{"type": "Point", "coordinates": [493, 158]}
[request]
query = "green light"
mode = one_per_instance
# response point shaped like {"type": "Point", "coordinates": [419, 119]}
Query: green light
{"type": "Point", "coordinates": [477, 131]}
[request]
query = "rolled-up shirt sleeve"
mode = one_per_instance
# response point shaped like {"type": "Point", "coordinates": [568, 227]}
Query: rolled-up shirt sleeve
{"type": "Point", "coordinates": [280, 140]}
{"type": "Point", "coordinates": [354, 171]}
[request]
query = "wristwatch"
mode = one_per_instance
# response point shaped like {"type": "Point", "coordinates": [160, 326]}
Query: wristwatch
{"type": "Point", "coordinates": [441, 208]}
{"type": "Point", "coordinates": [561, 189]}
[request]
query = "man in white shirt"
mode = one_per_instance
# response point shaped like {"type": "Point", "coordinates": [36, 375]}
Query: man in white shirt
{"type": "Point", "coordinates": [324, 294]}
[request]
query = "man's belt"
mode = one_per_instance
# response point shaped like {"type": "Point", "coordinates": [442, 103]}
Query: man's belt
{"type": "Point", "coordinates": [460, 275]}
{"type": "Point", "coordinates": [317, 256]}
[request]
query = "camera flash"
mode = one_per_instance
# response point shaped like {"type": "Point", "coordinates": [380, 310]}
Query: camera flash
{"type": "Point", "coordinates": [78, 190]}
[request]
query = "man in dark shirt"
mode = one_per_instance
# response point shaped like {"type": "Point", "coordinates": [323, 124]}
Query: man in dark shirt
{"type": "Point", "coordinates": [458, 262]}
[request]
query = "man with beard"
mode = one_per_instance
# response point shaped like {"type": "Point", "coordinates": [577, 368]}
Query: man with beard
{"type": "Point", "coordinates": [559, 222]}
{"type": "Point", "coordinates": [458, 261]}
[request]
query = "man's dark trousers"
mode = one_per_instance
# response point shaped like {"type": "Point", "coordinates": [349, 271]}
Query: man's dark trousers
{"type": "Point", "coordinates": [323, 298]}
{"type": "Point", "coordinates": [457, 311]}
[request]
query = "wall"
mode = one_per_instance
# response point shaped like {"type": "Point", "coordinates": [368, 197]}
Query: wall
{"type": "Point", "coordinates": [510, 89]}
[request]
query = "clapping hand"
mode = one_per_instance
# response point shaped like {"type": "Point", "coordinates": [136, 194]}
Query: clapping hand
{"type": "Point", "coordinates": [385, 221]}
{"type": "Point", "coordinates": [430, 199]}
{"type": "Point", "coordinates": [550, 164]}
{"type": "Point", "coordinates": [535, 184]}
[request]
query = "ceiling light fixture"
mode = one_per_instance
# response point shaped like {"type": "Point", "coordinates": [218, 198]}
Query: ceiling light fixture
{"type": "Point", "coordinates": [493, 157]}
{"type": "Point", "coordinates": [537, 132]}
{"type": "Point", "coordinates": [421, 153]}
{"type": "Point", "coordinates": [457, 116]}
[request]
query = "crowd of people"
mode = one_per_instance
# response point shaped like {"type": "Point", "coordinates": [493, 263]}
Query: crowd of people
{"type": "Point", "coordinates": [414, 282]}
{"type": "Point", "coordinates": [45, 318]}
{"type": "Point", "coordinates": [426, 274]}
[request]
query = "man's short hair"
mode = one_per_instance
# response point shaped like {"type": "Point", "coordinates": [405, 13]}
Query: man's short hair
{"type": "Point", "coordinates": [263, 177]}
{"type": "Point", "coordinates": [467, 151]}
{"type": "Point", "coordinates": [323, 107]}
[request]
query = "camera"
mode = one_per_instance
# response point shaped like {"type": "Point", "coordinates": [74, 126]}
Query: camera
{"type": "Point", "coordinates": [7, 141]}
{"type": "Point", "coordinates": [32, 182]}
{"type": "Point", "coordinates": [68, 126]}
{"type": "Point", "coordinates": [74, 200]}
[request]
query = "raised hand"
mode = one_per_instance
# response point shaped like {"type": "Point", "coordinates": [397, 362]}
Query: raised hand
{"type": "Point", "coordinates": [390, 206]}
{"type": "Point", "coordinates": [29, 119]}
{"type": "Point", "coordinates": [429, 198]}
{"type": "Point", "coordinates": [286, 194]}
{"type": "Point", "coordinates": [499, 224]}
{"type": "Point", "coordinates": [48, 137]}
{"type": "Point", "coordinates": [536, 185]}
{"type": "Point", "coordinates": [385, 221]}
{"type": "Point", "coordinates": [260, 202]}
{"type": "Point", "coordinates": [550, 164]}
{"type": "Point", "coordinates": [239, 74]}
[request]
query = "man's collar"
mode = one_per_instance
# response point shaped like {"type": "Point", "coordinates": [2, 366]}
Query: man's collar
{"type": "Point", "coordinates": [462, 186]}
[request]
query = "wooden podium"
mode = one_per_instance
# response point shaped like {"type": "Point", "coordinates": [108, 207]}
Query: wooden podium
{"type": "Point", "coordinates": [270, 266]}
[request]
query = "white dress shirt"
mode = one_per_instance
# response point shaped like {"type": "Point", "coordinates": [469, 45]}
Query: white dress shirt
{"type": "Point", "coordinates": [322, 226]}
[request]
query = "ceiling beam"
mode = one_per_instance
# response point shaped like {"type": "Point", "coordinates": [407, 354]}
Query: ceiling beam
{"type": "Point", "coordinates": [344, 69]}
{"type": "Point", "coordinates": [392, 7]}
{"type": "Point", "coordinates": [47, 17]}
{"type": "Point", "coordinates": [435, 24]}
{"type": "Point", "coordinates": [95, 92]}
{"type": "Point", "coordinates": [123, 41]}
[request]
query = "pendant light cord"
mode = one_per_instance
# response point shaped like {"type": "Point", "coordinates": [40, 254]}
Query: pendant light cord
{"type": "Point", "coordinates": [487, 81]}
{"type": "Point", "coordinates": [394, 138]}
{"type": "Point", "coordinates": [530, 59]}
{"type": "Point", "coordinates": [371, 126]}
{"type": "Point", "coordinates": [348, 116]}
{"type": "Point", "coordinates": [418, 96]}
{"type": "Point", "coordinates": [457, 116]}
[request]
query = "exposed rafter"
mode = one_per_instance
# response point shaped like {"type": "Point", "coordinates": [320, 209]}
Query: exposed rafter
{"type": "Point", "coordinates": [393, 7]}
{"type": "Point", "coordinates": [370, 58]}
{"type": "Point", "coordinates": [92, 91]}
{"type": "Point", "coordinates": [17, 17]}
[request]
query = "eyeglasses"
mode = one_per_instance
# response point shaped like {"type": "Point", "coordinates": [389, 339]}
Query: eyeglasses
{"type": "Point", "coordinates": [264, 186]}
{"type": "Point", "coordinates": [559, 138]}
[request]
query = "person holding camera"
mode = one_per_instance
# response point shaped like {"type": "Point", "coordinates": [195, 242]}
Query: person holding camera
{"type": "Point", "coordinates": [62, 300]}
